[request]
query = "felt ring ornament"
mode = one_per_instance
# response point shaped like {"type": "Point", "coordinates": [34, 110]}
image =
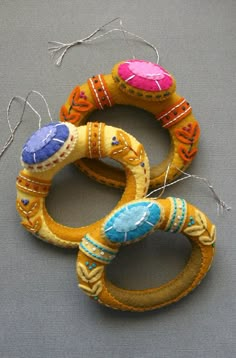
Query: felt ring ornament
{"type": "Point", "coordinates": [130, 223]}
{"type": "Point", "coordinates": [144, 85]}
{"type": "Point", "coordinates": [55, 145]}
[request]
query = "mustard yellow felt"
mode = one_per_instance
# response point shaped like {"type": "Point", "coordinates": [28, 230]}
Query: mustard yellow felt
{"type": "Point", "coordinates": [183, 127]}
{"type": "Point", "coordinates": [192, 223]}
{"type": "Point", "coordinates": [93, 140]}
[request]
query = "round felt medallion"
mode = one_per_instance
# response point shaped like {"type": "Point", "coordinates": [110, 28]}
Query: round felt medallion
{"type": "Point", "coordinates": [48, 146]}
{"type": "Point", "coordinates": [132, 221]}
{"type": "Point", "coordinates": [45, 142]}
{"type": "Point", "coordinates": [148, 78]}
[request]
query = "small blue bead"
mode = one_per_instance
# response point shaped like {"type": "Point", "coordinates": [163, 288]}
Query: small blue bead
{"type": "Point", "coordinates": [142, 164]}
{"type": "Point", "coordinates": [25, 201]}
{"type": "Point", "coordinates": [86, 263]}
{"type": "Point", "coordinates": [94, 265]}
{"type": "Point", "coordinates": [96, 298]}
{"type": "Point", "coordinates": [113, 138]}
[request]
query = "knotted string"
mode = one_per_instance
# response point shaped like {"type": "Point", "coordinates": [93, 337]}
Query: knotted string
{"type": "Point", "coordinates": [59, 49]}
{"type": "Point", "coordinates": [221, 205]}
{"type": "Point", "coordinates": [13, 130]}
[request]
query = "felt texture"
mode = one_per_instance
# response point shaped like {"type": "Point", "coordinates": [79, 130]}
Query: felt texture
{"type": "Point", "coordinates": [173, 112]}
{"type": "Point", "coordinates": [132, 221]}
{"type": "Point", "coordinates": [42, 312]}
{"type": "Point", "coordinates": [93, 140]}
{"type": "Point", "coordinates": [193, 224]}
{"type": "Point", "coordinates": [45, 142]}
{"type": "Point", "coordinates": [145, 75]}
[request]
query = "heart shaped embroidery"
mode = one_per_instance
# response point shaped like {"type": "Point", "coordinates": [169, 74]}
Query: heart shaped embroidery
{"type": "Point", "coordinates": [188, 134]}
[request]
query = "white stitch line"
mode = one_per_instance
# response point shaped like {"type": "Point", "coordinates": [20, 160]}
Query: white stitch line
{"type": "Point", "coordinates": [167, 74]}
{"type": "Point", "coordinates": [180, 115]}
{"type": "Point", "coordinates": [148, 222]}
{"type": "Point", "coordinates": [34, 157]}
{"type": "Point", "coordinates": [99, 140]}
{"type": "Point", "coordinates": [32, 181]}
{"type": "Point", "coordinates": [129, 78]}
{"type": "Point", "coordinates": [49, 163]}
{"type": "Point", "coordinates": [58, 140]}
{"type": "Point", "coordinates": [48, 135]}
{"type": "Point", "coordinates": [120, 151]}
{"type": "Point", "coordinates": [158, 85]}
{"type": "Point", "coordinates": [126, 143]}
{"type": "Point", "coordinates": [141, 219]}
{"type": "Point", "coordinates": [96, 93]}
{"type": "Point", "coordinates": [89, 138]}
{"type": "Point", "coordinates": [109, 228]}
{"type": "Point", "coordinates": [27, 212]}
{"type": "Point", "coordinates": [104, 90]}
{"type": "Point", "coordinates": [159, 118]}
{"type": "Point", "coordinates": [34, 191]}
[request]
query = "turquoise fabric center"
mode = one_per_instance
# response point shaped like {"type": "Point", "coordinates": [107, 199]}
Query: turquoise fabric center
{"type": "Point", "coordinates": [132, 221]}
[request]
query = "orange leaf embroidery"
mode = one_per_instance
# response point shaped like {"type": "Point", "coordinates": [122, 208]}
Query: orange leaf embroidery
{"type": "Point", "coordinates": [78, 101]}
{"type": "Point", "coordinates": [185, 154]}
{"type": "Point", "coordinates": [33, 226]}
{"type": "Point", "coordinates": [27, 210]}
{"type": "Point", "coordinates": [65, 116]}
{"type": "Point", "coordinates": [188, 134]}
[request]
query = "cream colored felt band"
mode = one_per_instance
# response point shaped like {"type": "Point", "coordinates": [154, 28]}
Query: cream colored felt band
{"type": "Point", "coordinates": [93, 140]}
{"type": "Point", "coordinates": [174, 112]}
{"type": "Point", "coordinates": [195, 226]}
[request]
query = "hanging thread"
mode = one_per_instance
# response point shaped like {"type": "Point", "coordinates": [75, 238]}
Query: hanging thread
{"type": "Point", "coordinates": [13, 130]}
{"type": "Point", "coordinates": [60, 49]}
{"type": "Point", "coordinates": [221, 205]}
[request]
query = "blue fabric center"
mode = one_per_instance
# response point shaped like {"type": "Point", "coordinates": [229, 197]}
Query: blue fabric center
{"type": "Point", "coordinates": [44, 143]}
{"type": "Point", "coordinates": [40, 138]}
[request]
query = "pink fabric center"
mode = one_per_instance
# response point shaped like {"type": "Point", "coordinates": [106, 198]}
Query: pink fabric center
{"type": "Point", "coordinates": [145, 75]}
{"type": "Point", "coordinates": [147, 70]}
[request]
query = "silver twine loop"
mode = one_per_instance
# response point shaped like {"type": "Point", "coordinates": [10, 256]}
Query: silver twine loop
{"type": "Point", "coordinates": [221, 205]}
{"type": "Point", "coordinates": [59, 49]}
{"type": "Point", "coordinates": [13, 130]}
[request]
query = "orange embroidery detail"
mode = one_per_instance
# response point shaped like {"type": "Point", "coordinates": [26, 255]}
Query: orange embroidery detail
{"type": "Point", "coordinates": [78, 103]}
{"type": "Point", "coordinates": [65, 116]}
{"type": "Point", "coordinates": [31, 185]}
{"type": "Point", "coordinates": [185, 154]}
{"type": "Point", "coordinates": [175, 113]}
{"type": "Point", "coordinates": [188, 134]}
{"type": "Point", "coordinates": [33, 226]}
{"type": "Point", "coordinates": [125, 151]}
{"type": "Point", "coordinates": [100, 92]}
{"type": "Point", "coordinates": [95, 134]}
{"type": "Point", "coordinates": [29, 209]}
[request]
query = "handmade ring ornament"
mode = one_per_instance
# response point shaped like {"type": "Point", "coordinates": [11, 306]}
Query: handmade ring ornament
{"type": "Point", "coordinates": [55, 145]}
{"type": "Point", "coordinates": [148, 86]}
{"type": "Point", "coordinates": [130, 223]}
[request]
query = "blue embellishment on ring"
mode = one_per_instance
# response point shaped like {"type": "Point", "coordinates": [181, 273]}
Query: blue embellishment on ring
{"type": "Point", "coordinates": [132, 221]}
{"type": "Point", "coordinates": [45, 142]}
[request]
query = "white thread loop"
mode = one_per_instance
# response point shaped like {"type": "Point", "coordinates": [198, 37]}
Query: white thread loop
{"type": "Point", "coordinates": [59, 49]}
{"type": "Point", "coordinates": [221, 205]}
{"type": "Point", "coordinates": [13, 130]}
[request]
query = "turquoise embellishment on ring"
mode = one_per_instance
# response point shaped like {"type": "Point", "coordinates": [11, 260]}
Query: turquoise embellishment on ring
{"type": "Point", "coordinates": [132, 221]}
{"type": "Point", "coordinates": [178, 215]}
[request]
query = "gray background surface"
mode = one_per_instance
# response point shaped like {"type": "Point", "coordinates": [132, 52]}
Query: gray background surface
{"type": "Point", "coordinates": [42, 312]}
